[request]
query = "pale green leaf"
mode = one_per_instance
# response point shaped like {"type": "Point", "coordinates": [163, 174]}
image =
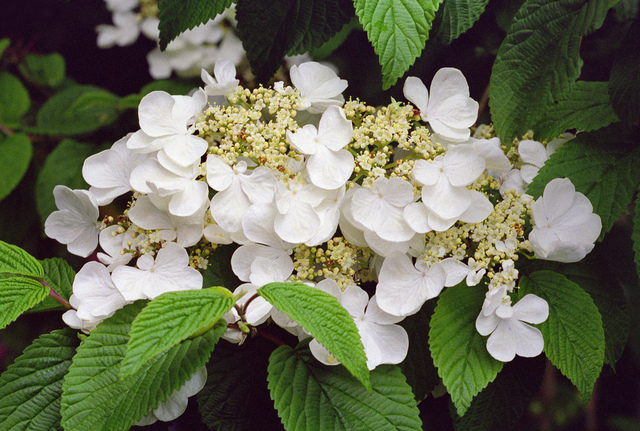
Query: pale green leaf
{"type": "Point", "coordinates": [14, 100]}
{"type": "Point", "coordinates": [59, 275]}
{"type": "Point", "coordinates": [31, 387]}
{"type": "Point", "coordinates": [624, 81]}
{"type": "Point", "coordinates": [47, 70]}
{"type": "Point", "coordinates": [573, 333]}
{"type": "Point", "coordinates": [15, 154]}
{"type": "Point", "coordinates": [398, 30]}
{"type": "Point", "coordinates": [169, 319]}
{"type": "Point", "coordinates": [321, 315]}
{"type": "Point", "coordinates": [458, 16]}
{"type": "Point", "coordinates": [14, 260]}
{"type": "Point", "coordinates": [310, 396]}
{"type": "Point", "coordinates": [94, 399]}
{"type": "Point", "coordinates": [459, 351]}
{"type": "Point", "coordinates": [4, 44]}
{"type": "Point", "coordinates": [17, 295]}
{"type": "Point", "coordinates": [178, 16]}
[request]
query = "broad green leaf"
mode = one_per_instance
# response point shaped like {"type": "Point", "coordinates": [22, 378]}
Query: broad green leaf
{"type": "Point", "coordinates": [77, 110]}
{"type": "Point", "coordinates": [59, 275]}
{"type": "Point", "coordinates": [539, 60]}
{"type": "Point", "coordinates": [336, 40]}
{"type": "Point", "coordinates": [236, 397]}
{"type": "Point", "coordinates": [504, 401]}
{"type": "Point", "coordinates": [94, 399]}
{"type": "Point", "coordinates": [17, 295]}
{"type": "Point", "coordinates": [14, 260]}
{"type": "Point", "coordinates": [310, 396]}
{"type": "Point", "coordinates": [573, 333]}
{"type": "Point", "coordinates": [169, 319]}
{"type": "Point", "coordinates": [4, 44]}
{"type": "Point", "coordinates": [14, 100]}
{"type": "Point", "coordinates": [602, 166]}
{"type": "Point", "coordinates": [586, 107]}
{"type": "Point", "coordinates": [15, 155]}
{"type": "Point", "coordinates": [321, 315]}
{"type": "Point", "coordinates": [398, 30]}
{"type": "Point", "coordinates": [624, 81]}
{"type": "Point", "coordinates": [178, 16]}
{"type": "Point", "coordinates": [458, 16]}
{"type": "Point", "coordinates": [418, 366]}
{"type": "Point", "coordinates": [62, 166]}
{"type": "Point", "coordinates": [269, 29]}
{"type": "Point", "coordinates": [459, 351]}
{"type": "Point", "coordinates": [47, 70]}
{"type": "Point", "coordinates": [31, 387]}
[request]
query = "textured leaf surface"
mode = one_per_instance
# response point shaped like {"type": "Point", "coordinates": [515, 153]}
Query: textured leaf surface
{"type": "Point", "coordinates": [47, 70]}
{"type": "Point", "coordinates": [17, 295]}
{"type": "Point", "coordinates": [398, 30]}
{"type": "Point", "coordinates": [310, 396]}
{"type": "Point", "coordinates": [585, 107]}
{"type": "Point", "coordinates": [62, 166]}
{"type": "Point", "coordinates": [321, 315]}
{"type": "Point", "coordinates": [624, 81]}
{"type": "Point", "coordinates": [458, 16]}
{"type": "Point", "coordinates": [459, 351]}
{"type": "Point", "coordinates": [169, 319]}
{"type": "Point", "coordinates": [31, 387]}
{"type": "Point", "coordinates": [94, 399]}
{"type": "Point", "coordinates": [59, 275]}
{"type": "Point", "coordinates": [15, 154]}
{"type": "Point", "coordinates": [539, 60]}
{"type": "Point", "coordinates": [14, 260]}
{"type": "Point", "coordinates": [14, 100]}
{"type": "Point", "coordinates": [177, 16]}
{"type": "Point", "coordinates": [600, 166]}
{"type": "Point", "coordinates": [573, 333]}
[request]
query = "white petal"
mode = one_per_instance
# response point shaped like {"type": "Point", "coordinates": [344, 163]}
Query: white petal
{"type": "Point", "coordinates": [383, 344]}
{"type": "Point", "coordinates": [298, 225]}
{"type": "Point", "coordinates": [502, 342]}
{"type": "Point", "coordinates": [463, 165]}
{"type": "Point", "coordinates": [155, 114]}
{"type": "Point", "coordinates": [416, 92]}
{"type": "Point", "coordinates": [219, 174]}
{"type": "Point", "coordinates": [334, 130]}
{"type": "Point", "coordinates": [531, 309]}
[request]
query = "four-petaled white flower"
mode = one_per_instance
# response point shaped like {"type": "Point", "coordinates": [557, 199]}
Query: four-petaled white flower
{"type": "Point", "coordinates": [319, 86]}
{"type": "Point", "coordinates": [225, 79]}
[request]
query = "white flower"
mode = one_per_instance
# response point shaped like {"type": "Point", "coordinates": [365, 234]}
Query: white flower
{"type": "Point", "coordinates": [75, 224]}
{"type": "Point", "coordinates": [329, 165]}
{"type": "Point", "coordinates": [113, 243]}
{"type": "Point", "coordinates": [225, 79]}
{"type": "Point", "coordinates": [319, 86]}
{"type": "Point", "coordinates": [449, 110]}
{"type": "Point", "coordinates": [534, 155]}
{"type": "Point", "coordinates": [124, 32]}
{"type": "Point", "coordinates": [510, 336]}
{"type": "Point", "coordinates": [168, 273]}
{"type": "Point", "coordinates": [565, 227]}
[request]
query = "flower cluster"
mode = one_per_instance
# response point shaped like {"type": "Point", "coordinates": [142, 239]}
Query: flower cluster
{"type": "Point", "coordinates": [381, 207]}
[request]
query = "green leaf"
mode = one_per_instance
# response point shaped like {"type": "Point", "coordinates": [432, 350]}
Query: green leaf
{"type": "Point", "coordinates": [624, 81]}
{"type": "Point", "coordinates": [269, 29]}
{"type": "Point", "coordinates": [15, 155]}
{"type": "Point", "coordinates": [16, 261]}
{"type": "Point", "coordinates": [586, 107]}
{"type": "Point", "coordinates": [539, 60]}
{"type": "Point", "coordinates": [336, 40]}
{"type": "Point", "coordinates": [398, 30]}
{"type": "Point", "coordinates": [236, 397]}
{"type": "Point", "coordinates": [77, 110]}
{"type": "Point", "coordinates": [321, 315]}
{"type": "Point", "coordinates": [17, 295]}
{"type": "Point", "coordinates": [59, 275]}
{"type": "Point", "coordinates": [178, 16]}
{"type": "Point", "coordinates": [62, 166]}
{"type": "Point", "coordinates": [47, 70]}
{"type": "Point", "coordinates": [219, 272]}
{"type": "Point", "coordinates": [458, 16]}
{"type": "Point", "coordinates": [573, 333]}
{"type": "Point", "coordinates": [169, 319]}
{"type": "Point", "coordinates": [31, 387]}
{"type": "Point", "coordinates": [4, 44]}
{"type": "Point", "coordinates": [14, 100]}
{"type": "Point", "coordinates": [310, 396]}
{"type": "Point", "coordinates": [602, 166]}
{"type": "Point", "coordinates": [459, 351]}
{"type": "Point", "coordinates": [94, 399]}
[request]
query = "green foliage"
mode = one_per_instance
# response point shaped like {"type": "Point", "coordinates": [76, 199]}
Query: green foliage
{"type": "Point", "coordinates": [4, 44]}
{"type": "Point", "coordinates": [14, 100]}
{"type": "Point", "coordinates": [47, 70]}
{"type": "Point", "coordinates": [602, 166]}
{"type": "Point", "coordinates": [94, 399]}
{"type": "Point", "coordinates": [59, 275]}
{"type": "Point", "coordinates": [219, 272]}
{"type": "Point", "coordinates": [17, 295]}
{"type": "Point", "coordinates": [31, 387]}
{"type": "Point", "coordinates": [16, 261]}
{"type": "Point", "coordinates": [62, 166]}
{"type": "Point", "coordinates": [624, 81]}
{"type": "Point", "coordinates": [169, 319]}
{"type": "Point", "coordinates": [585, 106]}
{"type": "Point", "coordinates": [539, 60]}
{"type": "Point", "coordinates": [458, 16]}
{"type": "Point", "coordinates": [271, 29]}
{"type": "Point", "coordinates": [77, 110]}
{"type": "Point", "coordinates": [177, 16]}
{"type": "Point", "coordinates": [321, 315]}
{"type": "Point", "coordinates": [336, 40]}
{"type": "Point", "coordinates": [15, 154]}
{"type": "Point", "coordinates": [398, 30]}
{"type": "Point", "coordinates": [573, 333]}
{"type": "Point", "coordinates": [459, 351]}
{"type": "Point", "coordinates": [310, 396]}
